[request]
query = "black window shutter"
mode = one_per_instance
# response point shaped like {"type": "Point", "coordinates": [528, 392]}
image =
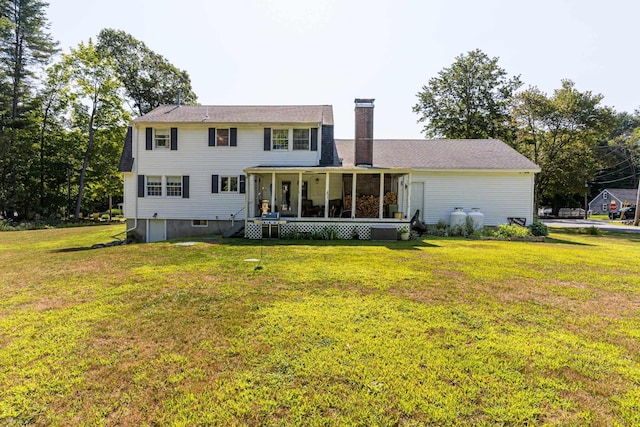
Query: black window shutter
{"type": "Point", "coordinates": [174, 138]}
{"type": "Point", "coordinates": [140, 185]}
{"type": "Point", "coordinates": [243, 184]}
{"type": "Point", "coordinates": [314, 139]}
{"type": "Point", "coordinates": [212, 137]}
{"type": "Point", "coordinates": [233, 137]}
{"type": "Point", "coordinates": [267, 139]}
{"type": "Point", "coordinates": [185, 186]}
{"type": "Point", "coordinates": [214, 183]}
{"type": "Point", "coordinates": [149, 139]}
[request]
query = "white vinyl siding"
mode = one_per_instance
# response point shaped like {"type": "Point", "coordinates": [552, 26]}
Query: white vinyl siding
{"type": "Point", "coordinates": [197, 160]}
{"type": "Point", "coordinates": [498, 195]}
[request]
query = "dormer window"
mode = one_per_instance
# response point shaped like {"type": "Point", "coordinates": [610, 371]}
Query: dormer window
{"type": "Point", "coordinates": [162, 138]}
{"type": "Point", "coordinates": [301, 139]}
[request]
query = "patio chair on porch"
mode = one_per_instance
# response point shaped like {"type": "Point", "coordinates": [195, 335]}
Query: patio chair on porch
{"type": "Point", "coordinates": [309, 209]}
{"type": "Point", "coordinates": [335, 207]}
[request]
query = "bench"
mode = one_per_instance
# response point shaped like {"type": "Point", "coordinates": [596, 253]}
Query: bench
{"type": "Point", "coordinates": [517, 221]}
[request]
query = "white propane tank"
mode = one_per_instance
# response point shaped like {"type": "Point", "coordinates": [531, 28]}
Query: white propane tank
{"type": "Point", "coordinates": [458, 217]}
{"type": "Point", "coordinates": [477, 218]}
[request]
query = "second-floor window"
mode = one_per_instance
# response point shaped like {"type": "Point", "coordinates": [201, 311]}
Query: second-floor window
{"type": "Point", "coordinates": [162, 138]}
{"type": "Point", "coordinates": [301, 139]}
{"type": "Point", "coordinates": [222, 137]}
{"type": "Point", "coordinates": [280, 139]}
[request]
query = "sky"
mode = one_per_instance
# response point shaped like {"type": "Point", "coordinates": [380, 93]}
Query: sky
{"type": "Point", "coordinates": [299, 52]}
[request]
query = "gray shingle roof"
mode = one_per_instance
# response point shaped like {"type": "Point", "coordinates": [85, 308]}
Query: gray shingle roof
{"type": "Point", "coordinates": [439, 154]}
{"type": "Point", "coordinates": [623, 194]}
{"type": "Point", "coordinates": [239, 114]}
{"type": "Point", "coordinates": [126, 158]}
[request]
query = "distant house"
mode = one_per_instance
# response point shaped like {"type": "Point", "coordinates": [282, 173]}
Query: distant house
{"type": "Point", "coordinates": [600, 205]}
{"type": "Point", "coordinates": [195, 170]}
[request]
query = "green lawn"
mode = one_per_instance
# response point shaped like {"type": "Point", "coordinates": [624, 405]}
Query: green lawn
{"type": "Point", "coordinates": [441, 331]}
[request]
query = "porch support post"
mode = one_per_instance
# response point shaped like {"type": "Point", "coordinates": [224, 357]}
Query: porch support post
{"type": "Point", "coordinates": [299, 208]}
{"type": "Point", "coordinates": [326, 195]}
{"type": "Point", "coordinates": [381, 195]}
{"type": "Point", "coordinates": [249, 207]}
{"type": "Point", "coordinates": [273, 191]}
{"type": "Point", "coordinates": [353, 195]}
{"type": "Point", "coordinates": [247, 204]}
{"type": "Point", "coordinates": [409, 197]}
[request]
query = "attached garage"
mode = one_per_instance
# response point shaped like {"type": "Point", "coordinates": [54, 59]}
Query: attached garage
{"type": "Point", "coordinates": [479, 173]}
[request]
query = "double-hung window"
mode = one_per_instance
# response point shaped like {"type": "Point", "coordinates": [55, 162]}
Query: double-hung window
{"type": "Point", "coordinates": [154, 186]}
{"type": "Point", "coordinates": [162, 138]}
{"type": "Point", "coordinates": [229, 184]}
{"type": "Point", "coordinates": [222, 137]}
{"type": "Point", "coordinates": [301, 139]}
{"type": "Point", "coordinates": [280, 139]}
{"type": "Point", "coordinates": [174, 186]}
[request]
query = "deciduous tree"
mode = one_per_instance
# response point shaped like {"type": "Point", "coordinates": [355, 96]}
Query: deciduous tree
{"type": "Point", "coordinates": [148, 78]}
{"type": "Point", "coordinates": [98, 114]}
{"type": "Point", "coordinates": [560, 133]}
{"type": "Point", "coordinates": [470, 99]}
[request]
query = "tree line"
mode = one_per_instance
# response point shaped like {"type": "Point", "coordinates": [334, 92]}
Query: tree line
{"type": "Point", "coordinates": [63, 118]}
{"type": "Point", "coordinates": [63, 115]}
{"type": "Point", "coordinates": [581, 145]}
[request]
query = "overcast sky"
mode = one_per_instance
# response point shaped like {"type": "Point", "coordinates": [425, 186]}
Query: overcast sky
{"type": "Point", "coordinates": [287, 52]}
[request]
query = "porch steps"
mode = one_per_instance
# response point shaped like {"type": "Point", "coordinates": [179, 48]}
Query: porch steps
{"type": "Point", "coordinates": [236, 231]}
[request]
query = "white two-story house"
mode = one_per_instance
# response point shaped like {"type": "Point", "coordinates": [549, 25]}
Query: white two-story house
{"type": "Point", "coordinates": [197, 170]}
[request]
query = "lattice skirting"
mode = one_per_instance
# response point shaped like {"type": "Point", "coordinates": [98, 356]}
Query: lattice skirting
{"type": "Point", "coordinates": [345, 231]}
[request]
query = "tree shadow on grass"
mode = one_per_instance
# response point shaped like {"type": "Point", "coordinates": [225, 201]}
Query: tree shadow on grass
{"type": "Point", "coordinates": [565, 242]}
{"type": "Point", "coordinates": [77, 249]}
{"type": "Point", "coordinates": [414, 244]}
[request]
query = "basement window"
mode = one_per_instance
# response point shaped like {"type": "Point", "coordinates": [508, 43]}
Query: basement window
{"type": "Point", "coordinates": [199, 223]}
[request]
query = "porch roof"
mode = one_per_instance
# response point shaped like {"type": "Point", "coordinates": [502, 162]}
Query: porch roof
{"type": "Point", "coordinates": [326, 169]}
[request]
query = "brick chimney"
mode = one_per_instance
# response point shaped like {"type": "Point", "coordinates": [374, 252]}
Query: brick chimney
{"type": "Point", "coordinates": [364, 132]}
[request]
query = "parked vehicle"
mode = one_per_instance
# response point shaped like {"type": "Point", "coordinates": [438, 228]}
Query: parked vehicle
{"type": "Point", "coordinates": [626, 213]}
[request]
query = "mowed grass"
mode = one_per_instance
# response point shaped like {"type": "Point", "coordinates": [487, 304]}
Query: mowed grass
{"type": "Point", "coordinates": [431, 332]}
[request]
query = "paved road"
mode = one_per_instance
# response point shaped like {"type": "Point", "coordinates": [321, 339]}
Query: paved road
{"type": "Point", "coordinates": [585, 223]}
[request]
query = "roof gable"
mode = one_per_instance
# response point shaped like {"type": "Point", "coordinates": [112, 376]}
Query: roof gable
{"type": "Point", "coordinates": [622, 194]}
{"type": "Point", "coordinates": [440, 154]}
